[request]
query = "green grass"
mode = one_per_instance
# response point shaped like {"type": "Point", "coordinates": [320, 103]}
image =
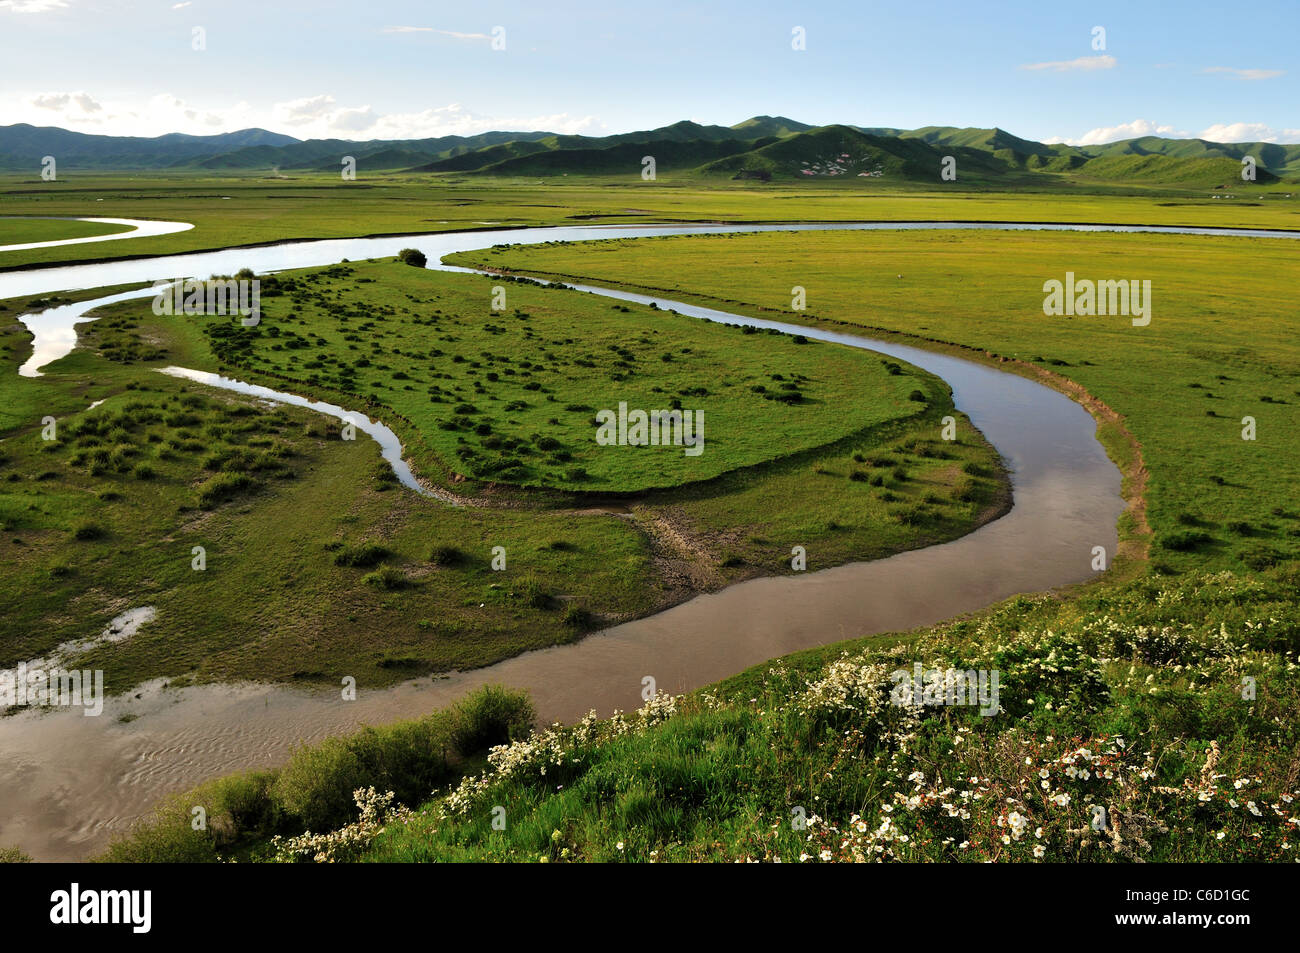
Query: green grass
{"type": "Point", "coordinates": [254, 208]}
{"type": "Point", "coordinates": [511, 395]}
{"type": "Point", "coordinates": [17, 231]}
{"type": "Point", "coordinates": [362, 577]}
{"type": "Point", "coordinates": [1221, 344]}
{"type": "Point", "coordinates": [1140, 680]}
{"type": "Point", "coordinates": [315, 789]}
{"type": "Point", "coordinates": [1129, 699]}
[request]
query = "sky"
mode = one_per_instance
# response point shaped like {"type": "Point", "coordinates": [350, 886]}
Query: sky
{"type": "Point", "coordinates": [1082, 73]}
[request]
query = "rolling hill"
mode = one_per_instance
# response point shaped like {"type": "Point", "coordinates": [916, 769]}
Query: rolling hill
{"type": "Point", "coordinates": [762, 148]}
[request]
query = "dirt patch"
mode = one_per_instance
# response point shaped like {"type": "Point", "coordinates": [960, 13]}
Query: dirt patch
{"type": "Point", "coordinates": [683, 560]}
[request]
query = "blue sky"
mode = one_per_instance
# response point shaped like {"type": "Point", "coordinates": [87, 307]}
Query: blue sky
{"type": "Point", "coordinates": [404, 69]}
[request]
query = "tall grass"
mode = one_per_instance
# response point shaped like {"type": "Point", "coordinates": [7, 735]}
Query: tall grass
{"type": "Point", "coordinates": [237, 815]}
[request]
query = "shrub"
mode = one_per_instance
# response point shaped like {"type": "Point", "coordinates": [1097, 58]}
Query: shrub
{"type": "Point", "coordinates": [387, 578]}
{"type": "Point", "coordinates": [87, 532]}
{"type": "Point", "coordinates": [315, 789]}
{"type": "Point", "coordinates": [532, 594]}
{"type": "Point", "coordinates": [223, 487]}
{"type": "Point", "coordinates": [448, 556]}
{"type": "Point", "coordinates": [408, 758]}
{"type": "Point", "coordinates": [363, 556]}
{"type": "Point", "coordinates": [1185, 540]}
{"type": "Point", "coordinates": [491, 716]}
{"type": "Point", "coordinates": [1262, 557]}
{"type": "Point", "coordinates": [415, 258]}
{"type": "Point", "coordinates": [578, 617]}
{"type": "Point", "coordinates": [909, 516]}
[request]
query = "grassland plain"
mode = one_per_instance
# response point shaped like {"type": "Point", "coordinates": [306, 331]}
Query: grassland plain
{"type": "Point", "coordinates": [1170, 701]}
{"type": "Point", "coordinates": [253, 209]}
{"type": "Point", "coordinates": [1221, 345]}
{"type": "Point", "coordinates": [1153, 718]}
{"type": "Point", "coordinates": [363, 577]}
{"type": "Point", "coordinates": [17, 231]}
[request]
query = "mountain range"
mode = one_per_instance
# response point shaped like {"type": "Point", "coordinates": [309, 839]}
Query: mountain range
{"type": "Point", "coordinates": [762, 148]}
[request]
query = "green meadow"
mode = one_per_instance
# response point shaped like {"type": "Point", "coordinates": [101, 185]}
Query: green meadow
{"type": "Point", "coordinates": [16, 231]}
{"type": "Point", "coordinates": [1221, 345]}
{"type": "Point", "coordinates": [362, 576]}
{"type": "Point", "coordinates": [503, 381]}
{"type": "Point", "coordinates": [1164, 694]}
{"type": "Point", "coordinates": [254, 208]}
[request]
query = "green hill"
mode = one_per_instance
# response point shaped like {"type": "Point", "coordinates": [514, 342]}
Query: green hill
{"type": "Point", "coordinates": [762, 126]}
{"type": "Point", "coordinates": [759, 147]}
{"type": "Point", "coordinates": [1201, 172]}
{"type": "Point", "coordinates": [478, 158]}
{"type": "Point", "coordinates": [1277, 158]}
{"type": "Point", "coordinates": [846, 152]}
{"type": "Point", "coordinates": [669, 155]}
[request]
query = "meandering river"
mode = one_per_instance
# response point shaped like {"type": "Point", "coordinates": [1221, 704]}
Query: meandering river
{"type": "Point", "coordinates": [71, 782]}
{"type": "Point", "coordinates": [139, 228]}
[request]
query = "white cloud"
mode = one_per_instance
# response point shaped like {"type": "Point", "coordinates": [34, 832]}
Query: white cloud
{"type": "Point", "coordinates": [33, 6]}
{"type": "Point", "coordinates": [1247, 73]}
{"type": "Point", "coordinates": [1219, 132]}
{"type": "Point", "coordinates": [320, 117]}
{"type": "Point", "coordinates": [311, 117]}
{"type": "Point", "coordinates": [1248, 132]}
{"type": "Point", "coordinates": [297, 112]}
{"type": "Point", "coordinates": [61, 102]}
{"type": "Point", "coordinates": [167, 113]}
{"type": "Point", "coordinates": [1125, 130]}
{"type": "Point", "coordinates": [429, 29]}
{"type": "Point", "coordinates": [82, 112]}
{"type": "Point", "coordinates": [182, 6]}
{"type": "Point", "coordinates": [1084, 63]}
{"type": "Point", "coordinates": [323, 117]}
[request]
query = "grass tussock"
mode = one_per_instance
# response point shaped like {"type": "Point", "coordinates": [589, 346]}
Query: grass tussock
{"type": "Point", "coordinates": [237, 817]}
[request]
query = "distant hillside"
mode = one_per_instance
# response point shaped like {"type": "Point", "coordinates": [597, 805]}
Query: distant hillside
{"type": "Point", "coordinates": [835, 151]}
{"type": "Point", "coordinates": [761, 148]}
{"type": "Point", "coordinates": [23, 146]}
{"type": "Point", "coordinates": [761, 126]}
{"type": "Point", "coordinates": [1206, 171]}
{"type": "Point", "coordinates": [670, 155]}
{"type": "Point", "coordinates": [1280, 159]}
{"type": "Point", "coordinates": [375, 155]}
